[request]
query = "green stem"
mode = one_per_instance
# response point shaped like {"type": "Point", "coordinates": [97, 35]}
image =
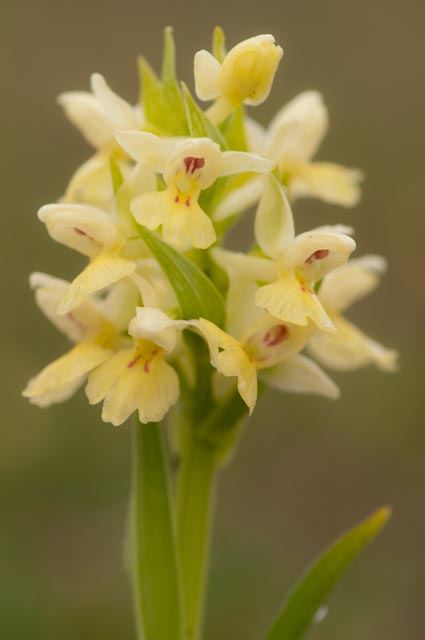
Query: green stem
{"type": "Point", "coordinates": [156, 581]}
{"type": "Point", "coordinates": [195, 494]}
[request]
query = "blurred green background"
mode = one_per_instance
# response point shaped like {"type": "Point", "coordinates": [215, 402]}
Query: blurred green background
{"type": "Point", "coordinates": [307, 468]}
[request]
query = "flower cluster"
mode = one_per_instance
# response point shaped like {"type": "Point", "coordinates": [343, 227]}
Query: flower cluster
{"type": "Point", "coordinates": [150, 211]}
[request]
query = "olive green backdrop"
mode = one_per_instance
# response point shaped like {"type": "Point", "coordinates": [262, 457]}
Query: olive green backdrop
{"type": "Point", "coordinates": [307, 467]}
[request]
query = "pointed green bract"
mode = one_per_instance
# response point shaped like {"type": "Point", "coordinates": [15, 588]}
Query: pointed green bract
{"type": "Point", "coordinates": [308, 595]}
{"type": "Point", "coordinates": [219, 44]}
{"type": "Point", "coordinates": [199, 125]}
{"type": "Point", "coordinates": [171, 87]}
{"type": "Point", "coordinates": [196, 294]}
{"type": "Point", "coordinates": [158, 600]}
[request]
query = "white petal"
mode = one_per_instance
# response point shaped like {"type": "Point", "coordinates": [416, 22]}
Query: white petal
{"type": "Point", "coordinates": [85, 322]}
{"type": "Point", "coordinates": [299, 374]}
{"type": "Point", "coordinates": [314, 254]}
{"type": "Point", "coordinates": [86, 114]}
{"type": "Point", "coordinates": [145, 147]}
{"type": "Point", "coordinates": [61, 378]}
{"type": "Point", "coordinates": [202, 148]}
{"type": "Point", "coordinates": [207, 71]}
{"type": "Point", "coordinates": [351, 349]}
{"type": "Point", "coordinates": [328, 182]}
{"type": "Point", "coordinates": [119, 112]}
{"type": "Point", "coordinates": [256, 136]}
{"type": "Point", "coordinates": [239, 199]}
{"type": "Point", "coordinates": [155, 325]}
{"type": "Point", "coordinates": [234, 162]}
{"type": "Point", "coordinates": [104, 270]}
{"type": "Point", "coordinates": [274, 223]}
{"type": "Point", "coordinates": [91, 184]}
{"type": "Point", "coordinates": [80, 227]}
{"type": "Point", "coordinates": [298, 128]}
{"type": "Point", "coordinates": [344, 286]}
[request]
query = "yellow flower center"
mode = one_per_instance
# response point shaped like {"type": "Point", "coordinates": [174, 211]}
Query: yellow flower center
{"type": "Point", "coordinates": [145, 353]}
{"type": "Point", "coordinates": [187, 180]}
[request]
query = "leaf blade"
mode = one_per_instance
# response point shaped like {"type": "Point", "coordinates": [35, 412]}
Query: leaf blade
{"type": "Point", "coordinates": [196, 294]}
{"type": "Point", "coordinates": [308, 594]}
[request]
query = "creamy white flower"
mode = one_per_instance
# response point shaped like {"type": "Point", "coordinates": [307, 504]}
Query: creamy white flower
{"type": "Point", "coordinates": [188, 167]}
{"type": "Point", "coordinates": [350, 348]}
{"type": "Point", "coordinates": [245, 75]}
{"type": "Point", "coordinates": [292, 140]}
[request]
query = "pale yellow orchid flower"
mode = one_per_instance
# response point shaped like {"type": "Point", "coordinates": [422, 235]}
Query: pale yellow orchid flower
{"type": "Point", "coordinates": [299, 261]}
{"type": "Point", "coordinates": [97, 115]}
{"type": "Point", "coordinates": [139, 378]}
{"type": "Point", "coordinates": [188, 167]}
{"type": "Point", "coordinates": [256, 343]}
{"type": "Point", "coordinates": [350, 348]}
{"type": "Point", "coordinates": [85, 325]}
{"type": "Point", "coordinates": [245, 75]}
{"type": "Point", "coordinates": [292, 140]}
{"type": "Point", "coordinates": [93, 233]}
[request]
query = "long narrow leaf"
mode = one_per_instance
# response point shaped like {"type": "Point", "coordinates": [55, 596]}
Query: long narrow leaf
{"type": "Point", "coordinates": [159, 593]}
{"type": "Point", "coordinates": [308, 595]}
{"type": "Point", "coordinates": [196, 294]}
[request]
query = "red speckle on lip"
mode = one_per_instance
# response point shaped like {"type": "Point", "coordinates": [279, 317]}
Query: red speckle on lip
{"type": "Point", "coordinates": [146, 366]}
{"type": "Point", "coordinates": [317, 255]}
{"type": "Point", "coordinates": [133, 362]}
{"type": "Point", "coordinates": [276, 335]}
{"type": "Point", "coordinates": [187, 203]}
{"type": "Point", "coordinates": [80, 231]}
{"type": "Point", "coordinates": [191, 164]}
{"type": "Point", "coordinates": [177, 199]}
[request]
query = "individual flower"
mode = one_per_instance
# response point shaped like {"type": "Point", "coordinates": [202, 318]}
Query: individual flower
{"type": "Point", "coordinates": [256, 343]}
{"type": "Point", "coordinates": [97, 115]}
{"type": "Point", "coordinates": [188, 167]}
{"type": "Point", "coordinates": [93, 233]}
{"type": "Point", "coordinates": [139, 378]}
{"type": "Point", "coordinates": [292, 140]}
{"type": "Point", "coordinates": [299, 261]}
{"type": "Point", "coordinates": [245, 75]}
{"type": "Point", "coordinates": [350, 348]}
{"type": "Point", "coordinates": [86, 326]}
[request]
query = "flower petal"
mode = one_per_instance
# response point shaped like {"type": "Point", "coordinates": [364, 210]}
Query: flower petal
{"type": "Point", "coordinates": [344, 286]}
{"type": "Point", "coordinates": [145, 147]}
{"type": "Point", "coordinates": [314, 254]}
{"type": "Point", "coordinates": [274, 223]}
{"type": "Point", "coordinates": [328, 182]}
{"type": "Point", "coordinates": [84, 111]}
{"type": "Point", "coordinates": [298, 129]}
{"type": "Point", "coordinates": [234, 162]}
{"type": "Point", "coordinates": [85, 322]}
{"type": "Point", "coordinates": [239, 199]}
{"type": "Point", "coordinates": [99, 273]}
{"type": "Point", "coordinates": [126, 388]}
{"type": "Point", "coordinates": [153, 324]}
{"type": "Point", "coordinates": [80, 227]}
{"type": "Point", "coordinates": [121, 114]}
{"type": "Point", "coordinates": [60, 379]}
{"type": "Point", "coordinates": [293, 302]}
{"type": "Point", "coordinates": [299, 374]}
{"type": "Point", "coordinates": [206, 71]}
{"type": "Point", "coordinates": [351, 349]}
{"type": "Point", "coordinates": [230, 359]}
{"type": "Point", "coordinates": [91, 184]}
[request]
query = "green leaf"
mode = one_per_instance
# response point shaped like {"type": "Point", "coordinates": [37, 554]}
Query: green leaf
{"type": "Point", "coordinates": [158, 596]}
{"type": "Point", "coordinates": [219, 44]}
{"type": "Point", "coordinates": [196, 294]}
{"type": "Point", "coordinates": [307, 596]}
{"type": "Point", "coordinates": [199, 125]}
